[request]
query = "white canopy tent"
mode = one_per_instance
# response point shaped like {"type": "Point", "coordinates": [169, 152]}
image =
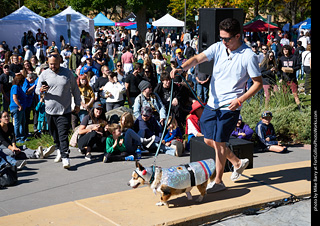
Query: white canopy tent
{"type": "Point", "coordinates": [168, 21]}
{"type": "Point", "coordinates": [14, 25]}
{"type": "Point", "coordinates": [58, 25]}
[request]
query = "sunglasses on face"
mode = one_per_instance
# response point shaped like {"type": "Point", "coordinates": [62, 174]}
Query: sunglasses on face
{"type": "Point", "coordinates": [226, 39]}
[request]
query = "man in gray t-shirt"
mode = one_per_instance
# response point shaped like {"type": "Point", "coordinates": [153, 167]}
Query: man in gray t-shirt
{"type": "Point", "coordinates": [58, 85]}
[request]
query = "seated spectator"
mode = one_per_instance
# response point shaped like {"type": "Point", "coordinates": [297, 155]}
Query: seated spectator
{"type": "Point", "coordinates": [131, 139]}
{"type": "Point", "coordinates": [113, 92]}
{"type": "Point", "coordinates": [267, 135]}
{"type": "Point", "coordinates": [147, 126]}
{"type": "Point", "coordinates": [147, 98]}
{"type": "Point", "coordinates": [115, 147]}
{"type": "Point", "coordinates": [5, 159]}
{"type": "Point", "coordinates": [8, 142]}
{"type": "Point", "coordinates": [173, 138]}
{"type": "Point", "coordinates": [242, 130]}
{"type": "Point", "coordinates": [193, 122]}
{"type": "Point", "coordinates": [132, 82]}
{"type": "Point", "coordinates": [91, 131]}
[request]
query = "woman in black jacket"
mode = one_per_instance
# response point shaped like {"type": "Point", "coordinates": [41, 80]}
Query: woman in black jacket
{"type": "Point", "coordinates": [269, 69]}
{"type": "Point", "coordinates": [287, 67]}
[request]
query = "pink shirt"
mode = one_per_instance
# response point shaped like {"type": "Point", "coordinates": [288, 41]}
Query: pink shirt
{"type": "Point", "coordinates": [127, 58]}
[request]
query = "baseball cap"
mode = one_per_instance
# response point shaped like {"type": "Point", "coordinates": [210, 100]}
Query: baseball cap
{"type": "Point", "coordinates": [178, 50]}
{"type": "Point", "coordinates": [266, 113]}
{"type": "Point", "coordinates": [97, 105]}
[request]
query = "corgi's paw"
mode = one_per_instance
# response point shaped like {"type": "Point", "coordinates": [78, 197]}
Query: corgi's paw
{"type": "Point", "coordinates": [189, 196]}
{"type": "Point", "coordinates": [200, 199]}
{"type": "Point", "coordinates": [160, 203]}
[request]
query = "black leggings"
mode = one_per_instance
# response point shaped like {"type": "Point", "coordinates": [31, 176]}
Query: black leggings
{"type": "Point", "coordinates": [116, 156]}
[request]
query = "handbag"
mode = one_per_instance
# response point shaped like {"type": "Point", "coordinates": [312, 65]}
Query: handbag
{"type": "Point", "coordinates": [8, 175]}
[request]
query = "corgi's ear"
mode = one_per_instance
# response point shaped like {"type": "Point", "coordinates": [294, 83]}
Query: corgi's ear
{"type": "Point", "coordinates": [138, 165]}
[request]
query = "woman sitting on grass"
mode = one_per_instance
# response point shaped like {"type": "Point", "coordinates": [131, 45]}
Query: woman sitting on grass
{"type": "Point", "coordinates": [8, 142]}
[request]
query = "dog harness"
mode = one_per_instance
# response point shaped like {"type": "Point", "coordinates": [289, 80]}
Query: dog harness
{"type": "Point", "coordinates": [189, 175]}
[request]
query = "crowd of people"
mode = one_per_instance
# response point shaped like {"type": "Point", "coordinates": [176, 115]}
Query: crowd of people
{"type": "Point", "coordinates": [74, 85]}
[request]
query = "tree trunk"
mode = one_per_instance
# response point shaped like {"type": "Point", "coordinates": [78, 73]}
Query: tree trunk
{"type": "Point", "coordinates": [256, 8]}
{"type": "Point", "coordinates": [142, 23]}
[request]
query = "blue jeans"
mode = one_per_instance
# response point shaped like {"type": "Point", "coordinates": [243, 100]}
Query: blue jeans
{"type": "Point", "coordinates": [4, 157]}
{"type": "Point", "coordinates": [203, 91]}
{"type": "Point", "coordinates": [19, 124]}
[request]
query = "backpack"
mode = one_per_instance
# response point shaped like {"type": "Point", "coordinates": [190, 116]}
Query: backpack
{"type": "Point", "coordinates": [8, 175]}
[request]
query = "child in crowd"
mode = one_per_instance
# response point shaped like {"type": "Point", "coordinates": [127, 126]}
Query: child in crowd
{"type": "Point", "coordinates": [242, 130]}
{"type": "Point", "coordinates": [115, 148]}
{"type": "Point", "coordinates": [174, 136]}
{"type": "Point", "coordinates": [42, 119]}
{"type": "Point", "coordinates": [193, 122]}
{"type": "Point", "coordinates": [267, 135]}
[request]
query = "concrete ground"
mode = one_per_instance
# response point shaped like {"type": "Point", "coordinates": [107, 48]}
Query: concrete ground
{"type": "Point", "coordinates": [45, 183]}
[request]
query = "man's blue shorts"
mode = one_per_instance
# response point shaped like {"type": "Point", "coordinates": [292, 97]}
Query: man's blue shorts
{"type": "Point", "coordinates": [218, 125]}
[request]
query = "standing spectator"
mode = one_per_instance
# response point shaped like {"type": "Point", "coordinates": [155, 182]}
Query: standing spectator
{"type": "Point", "coordinates": [127, 61]}
{"type": "Point", "coordinates": [160, 64]}
{"type": "Point", "coordinates": [180, 58]}
{"type": "Point", "coordinates": [15, 67]}
{"type": "Point", "coordinates": [288, 65]}
{"type": "Point", "coordinates": [86, 94]}
{"type": "Point", "coordinates": [189, 51]}
{"type": "Point", "coordinates": [100, 83]}
{"type": "Point", "coordinates": [42, 119]}
{"type": "Point", "coordinates": [28, 87]}
{"type": "Point", "coordinates": [132, 82]}
{"type": "Point", "coordinates": [168, 44]}
{"type": "Point", "coordinates": [285, 40]}
{"type": "Point", "coordinates": [203, 81]}
{"type": "Point", "coordinates": [136, 43]}
{"type": "Point", "coordinates": [17, 107]}
{"type": "Point", "coordinates": [58, 83]}
{"type": "Point", "coordinates": [28, 54]}
{"type": "Point", "coordinates": [306, 63]}
{"type": "Point", "coordinates": [40, 52]}
{"type": "Point", "coordinates": [113, 92]}
{"type": "Point", "coordinates": [66, 53]}
{"type": "Point", "coordinates": [5, 86]}
{"type": "Point", "coordinates": [27, 68]}
{"type": "Point", "coordinates": [269, 69]}
{"type": "Point", "coordinates": [149, 36]}
{"type": "Point", "coordinates": [298, 53]}
{"type": "Point", "coordinates": [75, 59]}
{"type": "Point", "coordinates": [111, 49]}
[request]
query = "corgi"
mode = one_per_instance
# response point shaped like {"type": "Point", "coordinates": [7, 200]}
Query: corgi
{"type": "Point", "coordinates": [175, 180]}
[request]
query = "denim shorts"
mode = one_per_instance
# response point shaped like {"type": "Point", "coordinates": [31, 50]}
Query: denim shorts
{"type": "Point", "coordinates": [218, 125]}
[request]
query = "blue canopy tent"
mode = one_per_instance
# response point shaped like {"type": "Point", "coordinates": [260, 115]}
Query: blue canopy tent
{"type": "Point", "coordinates": [307, 25]}
{"type": "Point", "coordinates": [102, 20]}
{"type": "Point", "coordinates": [305, 21]}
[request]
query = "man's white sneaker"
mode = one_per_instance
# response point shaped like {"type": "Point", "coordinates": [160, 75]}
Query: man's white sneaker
{"type": "Point", "coordinates": [214, 187]}
{"type": "Point", "coordinates": [48, 151]}
{"type": "Point", "coordinates": [66, 163]}
{"type": "Point", "coordinates": [237, 172]}
{"type": "Point", "coordinates": [58, 157]}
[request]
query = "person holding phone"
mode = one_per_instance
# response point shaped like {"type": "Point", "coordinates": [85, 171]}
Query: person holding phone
{"type": "Point", "coordinates": [58, 86]}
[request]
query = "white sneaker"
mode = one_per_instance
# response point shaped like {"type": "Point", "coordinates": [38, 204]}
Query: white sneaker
{"type": "Point", "coordinates": [237, 172]}
{"type": "Point", "coordinates": [66, 163]}
{"type": "Point", "coordinates": [39, 153]}
{"type": "Point", "coordinates": [58, 157]}
{"type": "Point", "coordinates": [213, 187]}
{"type": "Point", "coordinates": [48, 151]}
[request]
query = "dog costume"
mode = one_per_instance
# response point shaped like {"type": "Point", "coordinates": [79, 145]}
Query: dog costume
{"type": "Point", "coordinates": [189, 175]}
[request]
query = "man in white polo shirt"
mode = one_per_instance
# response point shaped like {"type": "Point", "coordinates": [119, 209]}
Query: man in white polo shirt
{"type": "Point", "coordinates": [234, 63]}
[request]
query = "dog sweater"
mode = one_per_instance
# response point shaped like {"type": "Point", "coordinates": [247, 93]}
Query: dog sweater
{"type": "Point", "coordinates": [189, 175]}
